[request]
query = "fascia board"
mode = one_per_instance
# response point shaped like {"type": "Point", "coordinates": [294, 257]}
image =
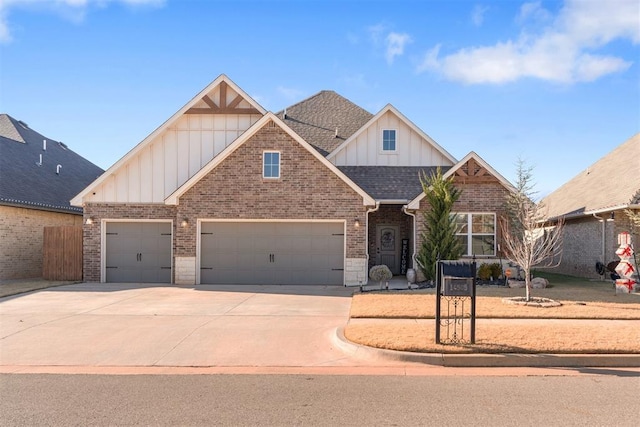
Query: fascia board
{"type": "Point", "coordinates": [402, 117]}
{"type": "Point", "coordinates": [173, 198]}
{"type": "Point", "coordinates": [347, 141]}
{"type": "Point", "coordinates": [367, 200]}
{"type": "Point", "coordinates": [77, 200]}
{"type": "Point", "coordinates": [485, 165]}
{"type": "Point", "coordinates": [415, 203]}
{"type": "Point", "coordinates": [422, 133]}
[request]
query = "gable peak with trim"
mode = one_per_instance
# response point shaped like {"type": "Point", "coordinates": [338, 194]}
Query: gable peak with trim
{"type": "Point", "coordinates": [178, 148]}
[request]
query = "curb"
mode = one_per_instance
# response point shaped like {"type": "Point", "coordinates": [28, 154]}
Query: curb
{"type": "Point", "coordinates": [485, 360]}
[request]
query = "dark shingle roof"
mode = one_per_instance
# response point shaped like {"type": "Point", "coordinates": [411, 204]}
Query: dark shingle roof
{"type": "Point", "coordinates": [24, 183]}
{"type": "Point", "coordinates": [389, 182]}
{"type": "Point", "coordinates": [611, 182]}
{"type": "Point", "coordinates": [316, 119]}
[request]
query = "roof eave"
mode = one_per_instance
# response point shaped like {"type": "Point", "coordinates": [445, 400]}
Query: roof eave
{"type": "Point", "coordinates": [78, 199]}
{"type": "Point", "coordinates": [402, 117]}
{"type": "Point", "coordinates": [367, 200]}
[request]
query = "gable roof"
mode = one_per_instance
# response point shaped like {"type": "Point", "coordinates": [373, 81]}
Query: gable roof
{"type": "Point", "coordinates": [367, 200]}
{"type": "Point", "coordinates": [200, 103]}
{"type": "Point", "coordinates": [24, 182]}
{"type": "Point", "coordinates": [611, 183]}
{"type": "Point", "coordinates": [483, 168]}
{"type": "Point", "coordinates": [394, 110]}
{"type": "Point", "coordinates": [389, 183]}
{"type": "Point", "coordinates": [317, 118]}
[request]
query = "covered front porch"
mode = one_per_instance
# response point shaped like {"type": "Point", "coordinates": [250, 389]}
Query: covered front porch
{"type": "Point", "coordinates": [391, 238]}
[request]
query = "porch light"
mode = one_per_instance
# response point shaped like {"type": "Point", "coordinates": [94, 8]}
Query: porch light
{"type": "Point", "coordinates": [356, 223]}
{"type": "Point", "coordinates": [611, 218]}
{"type": "Point", "coordinates": [89, 221]}
{"type": "Point", "coordinates": [184, 222]}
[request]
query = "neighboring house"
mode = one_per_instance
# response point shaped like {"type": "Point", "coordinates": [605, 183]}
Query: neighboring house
{"type": "Point", "coordinates": [593, 204]}
{"type": "Point", "coordinates": [38, 178]}
{"type": "Point", "coordinates": [226, 192]}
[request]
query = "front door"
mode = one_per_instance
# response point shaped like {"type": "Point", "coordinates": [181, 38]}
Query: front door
{"type": "Point", "coordinates": [388, 247]}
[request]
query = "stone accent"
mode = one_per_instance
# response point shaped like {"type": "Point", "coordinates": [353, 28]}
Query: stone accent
{"type": "Point", "coordinates": [355, 272]}
{"type": "Point", "coordinates": [21, 235]}
{"type": "Point", "coordinates": [185, 270]}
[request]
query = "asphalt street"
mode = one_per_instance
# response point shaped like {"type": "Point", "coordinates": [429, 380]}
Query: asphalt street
{"type": "Point", "coordinates": [597, 398]}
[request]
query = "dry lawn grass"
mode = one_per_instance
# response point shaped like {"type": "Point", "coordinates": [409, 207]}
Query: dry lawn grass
{"type": "Point", "coordinates": [581, 299]}
{"type": "Point", "coordinates": [502, 338]}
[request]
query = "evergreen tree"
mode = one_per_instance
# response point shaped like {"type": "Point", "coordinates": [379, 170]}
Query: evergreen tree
{"type": "Point", "coordinates": [439, 236]}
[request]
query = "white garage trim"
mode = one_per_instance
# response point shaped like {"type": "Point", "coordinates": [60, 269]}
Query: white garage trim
{"type": "Point", "coordinates": [103, 242]}
{"type": "Point", "coordinates": [306, 221]}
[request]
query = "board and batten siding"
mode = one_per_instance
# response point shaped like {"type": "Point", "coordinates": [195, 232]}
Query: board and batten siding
{"type": "Point", "coordinates": [411, 148]}
{"type": "Point", "coordinates": [172, 158]}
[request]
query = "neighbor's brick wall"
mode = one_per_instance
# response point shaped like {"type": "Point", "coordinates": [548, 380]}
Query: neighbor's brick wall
{"type": "Point", "coordinates": [480, 197]}
{"type": "Point", "coordinates": [235, 189]}
{"type": "Point", "coordinates": [21, 232]}
{"type": "Point", "coordinates": [100, 211]}
{"type": "Point", "coordinates": [582, 244]}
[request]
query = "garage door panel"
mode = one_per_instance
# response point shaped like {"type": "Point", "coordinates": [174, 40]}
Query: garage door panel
{"type": "Point", "coordinates": [138, 252]}
{"type": "Point", "coordinates": [272, 253]}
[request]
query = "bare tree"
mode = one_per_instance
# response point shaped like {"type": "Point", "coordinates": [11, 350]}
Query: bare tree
{"type": "Point", "coordinates": [529, 238]}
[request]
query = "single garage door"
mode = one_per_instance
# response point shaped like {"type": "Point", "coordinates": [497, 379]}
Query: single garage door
{"type": "Point", "coordinates": [274, 253]}
{"type": "Point", "coordinates": [138, 252]}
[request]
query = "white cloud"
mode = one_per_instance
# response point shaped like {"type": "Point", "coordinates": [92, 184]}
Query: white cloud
{"type": "Point", "coordinates": [477, 15]}
{"type": "Point", "coordinates": [391, 42]}
{"type": "Point", "coordinates": [533, 12]}
{"type": "Point", "coordinates": [565, 51]}
{"type": "Point", "coordinates": [395, 45]}
{"type": "Point", "coordinates": [73, 10]}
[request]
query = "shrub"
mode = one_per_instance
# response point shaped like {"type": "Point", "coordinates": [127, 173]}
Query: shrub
{"type": "Point", "coordinates": [484, 272]}
{"type": "Point", "coordinates": [380, 273]}
{"type": "Point", "coordinates": [496, 270]}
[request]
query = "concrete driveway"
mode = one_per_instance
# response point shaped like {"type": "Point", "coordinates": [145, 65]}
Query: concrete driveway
{"type": "Point", "coordinates": [147, 325]}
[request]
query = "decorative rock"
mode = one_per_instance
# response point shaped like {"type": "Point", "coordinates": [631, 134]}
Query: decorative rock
{"type": "Point", "coordinates": [516, 284]}
{"type": "Point", "coordinates": [539, 283]}
{"type": "Point", "coordinates": [535, 302]}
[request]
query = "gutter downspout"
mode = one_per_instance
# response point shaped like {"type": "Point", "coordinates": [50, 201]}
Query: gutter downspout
{"type": "Point", "coordinates": [405, 209]}
{"type": "Point", "coordinates": [603, 241]}
{"type": "Point", "coordinates": [366, 221]}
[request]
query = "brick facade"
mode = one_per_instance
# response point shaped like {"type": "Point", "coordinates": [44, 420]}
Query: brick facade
{"type": "Point", "coordinates": [582, 244]}
{"type": "Point", "coordinates": [307, 189]}
{"type": "Point", "coordinates": [235, 189]}
{"type": "Point", "coordinates": [475, 197]}
{"type": "Point", "coordinates": [21, 233]}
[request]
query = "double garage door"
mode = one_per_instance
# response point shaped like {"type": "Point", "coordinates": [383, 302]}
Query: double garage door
{"type": "Point", "coordinates": [138, 252]}
{"type": "Point", "coordinates": [277, 253]}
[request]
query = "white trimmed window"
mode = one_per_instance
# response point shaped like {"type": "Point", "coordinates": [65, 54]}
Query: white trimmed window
{"type": "Point", "coordinates": [477, 233]}
{"type": "Point", "coordinates": [271, 164]}
{"type": "Point", "coordinates": [388, 140]}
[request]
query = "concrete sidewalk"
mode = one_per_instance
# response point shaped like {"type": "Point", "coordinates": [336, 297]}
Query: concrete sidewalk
{"type": "Point", "coordinates": [93, 327]}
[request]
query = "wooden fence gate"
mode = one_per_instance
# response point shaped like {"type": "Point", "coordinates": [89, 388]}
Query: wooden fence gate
{"type": "Point", "coordinates": [62, 253]}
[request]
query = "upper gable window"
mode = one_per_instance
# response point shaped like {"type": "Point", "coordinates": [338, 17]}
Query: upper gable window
{"type": "Point", "coordinates": [271, 164]}
{"type": "Point", "coordinates": [388, 140]}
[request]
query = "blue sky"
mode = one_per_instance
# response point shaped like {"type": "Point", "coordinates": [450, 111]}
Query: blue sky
{"type": "Point", "coordinates": [555, 83]}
